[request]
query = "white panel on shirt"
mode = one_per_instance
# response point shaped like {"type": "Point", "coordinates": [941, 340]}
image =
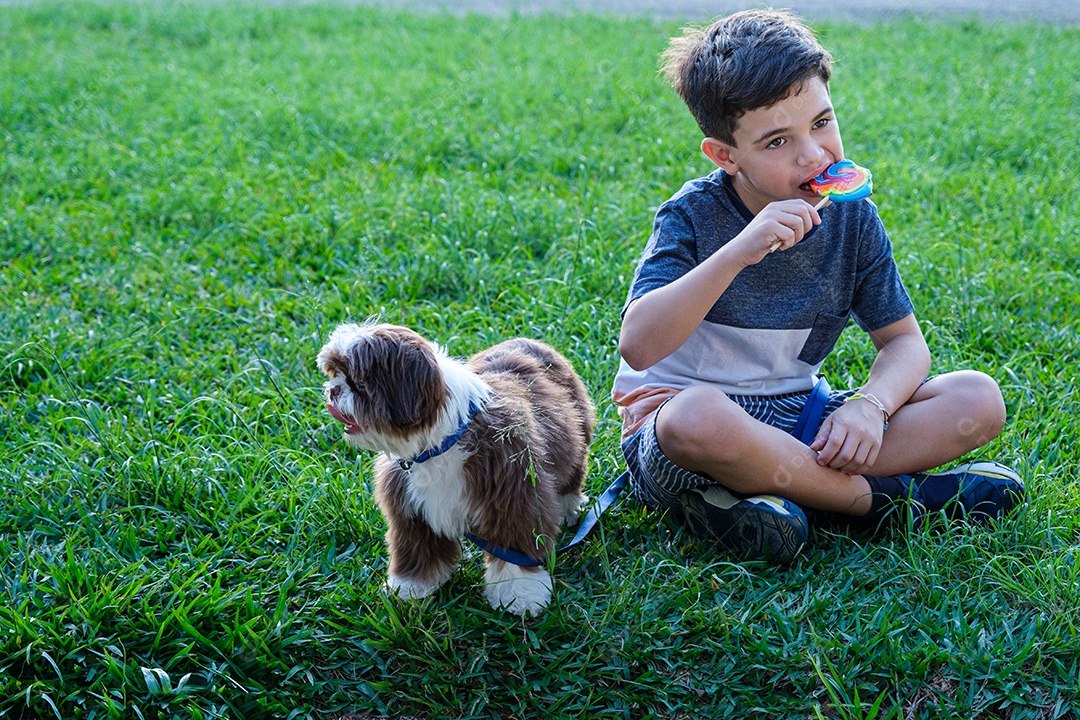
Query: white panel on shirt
{"type": "Point", "coordinates": [739, 361]}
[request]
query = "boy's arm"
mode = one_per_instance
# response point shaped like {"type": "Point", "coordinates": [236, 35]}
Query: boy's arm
{"type": "Point", "coordinates": [659, 322]}
{"type": "Point", "coordinates": [850, 438]}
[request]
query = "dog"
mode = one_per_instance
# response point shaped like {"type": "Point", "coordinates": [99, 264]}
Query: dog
{"type": "Point", "coordinates": [497, 446]}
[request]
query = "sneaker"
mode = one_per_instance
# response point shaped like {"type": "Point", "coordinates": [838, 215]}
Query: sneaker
{"type": "Point", "coordinates": [757, 527]}
{"type": "Point", "coordinates": [979, 491]}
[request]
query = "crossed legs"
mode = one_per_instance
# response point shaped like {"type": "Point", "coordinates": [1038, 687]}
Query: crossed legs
{"type": "Point", "coordinates": [701, 429]}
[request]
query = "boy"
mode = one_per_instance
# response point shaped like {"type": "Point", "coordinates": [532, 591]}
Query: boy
{"type": "Point", "coordinates": [721, 338]}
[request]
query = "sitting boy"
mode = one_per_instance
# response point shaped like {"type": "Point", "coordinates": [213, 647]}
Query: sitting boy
{"type": "Point", "coordinates": [722, 339]}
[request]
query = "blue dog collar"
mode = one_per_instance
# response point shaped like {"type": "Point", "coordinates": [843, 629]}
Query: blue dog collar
{"type": "Point", "coordinates": [446, 444]}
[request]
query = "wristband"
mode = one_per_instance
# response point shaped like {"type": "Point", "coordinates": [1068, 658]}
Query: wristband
{"type": "Point", "coordinates": [880, 406]}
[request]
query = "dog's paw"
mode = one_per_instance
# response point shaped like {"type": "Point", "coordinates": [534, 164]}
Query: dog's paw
{"type": "Point", "coordinates": [517, 589]}
{"type": "Point", "coordinates": [411, 588]}
{"type": "Point", "coordinates": [570, 506]}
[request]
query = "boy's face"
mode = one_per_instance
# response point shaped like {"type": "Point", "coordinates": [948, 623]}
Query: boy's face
{"type": "Point", "coordinates": [780, 148]}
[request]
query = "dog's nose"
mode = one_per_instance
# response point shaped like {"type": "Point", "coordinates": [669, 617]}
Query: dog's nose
{"type": "Point", "coordinates": [334, 392]}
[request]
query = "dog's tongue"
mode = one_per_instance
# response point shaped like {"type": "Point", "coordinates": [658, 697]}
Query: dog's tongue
{"type": "Point", "coordinates": [341, 417]}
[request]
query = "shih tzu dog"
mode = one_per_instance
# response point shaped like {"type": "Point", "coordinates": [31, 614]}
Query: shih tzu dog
{"type": "Point", "coordinates": [496, 446]}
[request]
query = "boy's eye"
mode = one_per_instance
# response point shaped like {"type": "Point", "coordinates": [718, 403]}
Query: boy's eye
{"type": "Point", "coordinates": [822, 123]}
{"type": "Point", "coordinates": [776, 142]}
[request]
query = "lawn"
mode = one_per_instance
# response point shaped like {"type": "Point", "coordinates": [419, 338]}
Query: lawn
{"type": "Point", "coordinates": [194, 195]}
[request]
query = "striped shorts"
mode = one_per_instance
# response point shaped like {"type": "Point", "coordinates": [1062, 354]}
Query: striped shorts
{"type": "Point", "coordinates": [657, 481]}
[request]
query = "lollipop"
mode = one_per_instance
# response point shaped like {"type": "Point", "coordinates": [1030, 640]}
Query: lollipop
{"type": "Point", "coordinates": [843, 181]}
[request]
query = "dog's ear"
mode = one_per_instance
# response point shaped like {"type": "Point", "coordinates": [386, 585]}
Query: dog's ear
{"type": "Point", "coordinates": [403, 379]}
{"type": "Point", "coordinates": [332, 363]}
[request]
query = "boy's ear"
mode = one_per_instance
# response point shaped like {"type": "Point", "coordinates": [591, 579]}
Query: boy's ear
{"type": "Point", "coordinates": [721, 153]}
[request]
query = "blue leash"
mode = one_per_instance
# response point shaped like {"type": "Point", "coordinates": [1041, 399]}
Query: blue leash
{"type": "Point", "coordinates": [805, 428]}
{"type": "Point", "coordinates": [809, 421]}
{"type": "Point", "coordinates": [587, 524]}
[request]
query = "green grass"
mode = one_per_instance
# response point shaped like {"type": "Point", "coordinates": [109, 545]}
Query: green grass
{"type": "Point", "coordinates": [194, 196]}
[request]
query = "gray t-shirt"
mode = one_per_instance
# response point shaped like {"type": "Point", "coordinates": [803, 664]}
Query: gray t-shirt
{"type": "Point", "coordinates": [773, 327]}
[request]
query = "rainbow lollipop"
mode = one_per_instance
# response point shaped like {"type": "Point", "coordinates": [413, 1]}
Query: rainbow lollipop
{"type": "Point", "coordinates": [842, 181]}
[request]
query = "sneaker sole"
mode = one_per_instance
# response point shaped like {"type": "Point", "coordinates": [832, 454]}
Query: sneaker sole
{"type": "Point", "coordinates": [989, 469]}
{"type": "Point", "coordinates": [758, 527]}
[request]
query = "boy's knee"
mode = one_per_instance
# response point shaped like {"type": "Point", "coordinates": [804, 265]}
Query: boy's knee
{"type": "Point", "coordinates": [692, 420]}
{"type": "Point", "coordinates": [983, 415]}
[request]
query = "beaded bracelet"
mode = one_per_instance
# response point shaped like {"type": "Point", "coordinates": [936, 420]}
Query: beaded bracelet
{"type": "Point", "coordinates": [880, 406]}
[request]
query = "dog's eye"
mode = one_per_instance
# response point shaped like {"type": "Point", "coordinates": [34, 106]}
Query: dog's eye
{"type": "Point", "coordinates": [356, 387]}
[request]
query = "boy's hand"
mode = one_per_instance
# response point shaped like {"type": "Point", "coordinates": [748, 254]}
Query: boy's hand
{"type": "Point", "coordinates": [850, 438]}
{"type": "Point", "coordinates": [785, 222]}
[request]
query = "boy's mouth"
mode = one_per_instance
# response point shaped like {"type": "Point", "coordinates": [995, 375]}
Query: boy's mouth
{"type": "Point", "coordinates": [806, 186]}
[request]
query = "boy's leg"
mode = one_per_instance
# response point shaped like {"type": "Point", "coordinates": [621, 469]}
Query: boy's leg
{"type": "Point", "coordinates": [948, 416]}
{"type": "Point", "coordinates": [702, 430]}
{"type": "Point", "coordinates": [752, 527]}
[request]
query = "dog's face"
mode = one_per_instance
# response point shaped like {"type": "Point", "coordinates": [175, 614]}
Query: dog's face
{"type": "Point", "coordinates": [384, 384]}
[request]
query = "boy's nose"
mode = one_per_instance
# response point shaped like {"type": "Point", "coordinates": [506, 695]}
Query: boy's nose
{"type": "Point", "coordinates": [812, 155]}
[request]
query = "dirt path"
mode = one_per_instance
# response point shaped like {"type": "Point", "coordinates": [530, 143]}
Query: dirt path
{"type": "Point", "coordinates": [1043, 11]}
{"type": "Point", "coordinates": [1062, 12]}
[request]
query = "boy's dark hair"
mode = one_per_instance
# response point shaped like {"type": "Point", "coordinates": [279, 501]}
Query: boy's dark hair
{"type": "Point", "coordinates": [740, 63]}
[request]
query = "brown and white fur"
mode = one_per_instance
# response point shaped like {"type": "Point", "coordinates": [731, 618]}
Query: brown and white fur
{"type": "Point", "coordinates": [514, 476]}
